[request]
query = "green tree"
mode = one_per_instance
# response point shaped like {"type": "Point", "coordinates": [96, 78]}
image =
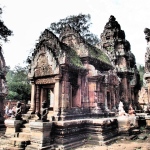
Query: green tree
{"type": "Point", "coordinates": [80, 23]}
{"type": "Point", "coordinates": [141, 72]}
{"type": "Point", "coordinates": [18, 84]}
{"type": "Point", "coordinates": [4, 31]}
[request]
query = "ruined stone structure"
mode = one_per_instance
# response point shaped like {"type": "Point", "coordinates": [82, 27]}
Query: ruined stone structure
{"type": "Point", "coordinates": [81, 86]}
{"type": "Point", "coordinates": [82, 75]}
{"type": "Point", "coordinates": [79, 80]}
{"type": "Point", "coordinates": [3, 90]}
{"type": "Point", "coordinates": [3, 84]}
{"type": "Point", "coordinates": [72, 76]}
{"type": "Point", "coordinates": [144, 94]}
{"type": "Point", "coordinates": [115, 45]}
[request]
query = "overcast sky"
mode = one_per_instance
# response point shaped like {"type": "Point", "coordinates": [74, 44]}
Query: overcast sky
{"type": "Point", "coordinates": [28, 18]}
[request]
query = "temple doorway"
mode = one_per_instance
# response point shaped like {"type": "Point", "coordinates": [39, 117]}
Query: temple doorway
{"type": "Point", "coordinates": [47, 94]}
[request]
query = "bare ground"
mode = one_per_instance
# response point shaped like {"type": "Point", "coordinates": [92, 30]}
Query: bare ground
{"type": "Point", "coordinates": [140, 143]}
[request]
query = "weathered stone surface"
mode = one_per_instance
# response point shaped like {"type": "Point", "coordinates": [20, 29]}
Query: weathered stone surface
{"type": "Point", "coordinates": [40, 133]}
{"type": "Point", "coordinates": [13, 126]}
{"type": "Point", "coordinates": [3, 83]}
{"type": "Point", "coordinates": [80, 85]}
{"type": "Point", "coordinates": [68, 133]}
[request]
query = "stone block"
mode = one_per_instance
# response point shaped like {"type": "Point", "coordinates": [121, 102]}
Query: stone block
{"type": "Point", "coordinates": [40, 133]}
{"type": "Point", "coordinates": [13, 126]}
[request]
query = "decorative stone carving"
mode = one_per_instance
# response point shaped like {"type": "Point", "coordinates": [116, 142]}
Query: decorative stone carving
{"type": "Point", "coordinates": [51, 40]}
{"type": "Point", "coordinates": [43, 68]}
{"type": "Point", "coordinates": [3, 83]}
{"type": "Point", "coordinates": [44, 60]}
{"type": "Point", "coordinates": [147, 54]}
{"type": "Point", "coordinates": [121, 110]}
{"type": "Point", "coordinates": [44, 111]}
{"type": "Point", "coordinates": [143, 96]}
{"type": "Point", "coordinates": [45, 81]}
{"type": "Point", "coordinates": [18, 114]}
{"type": "Point", "coordinates": [112, 23]}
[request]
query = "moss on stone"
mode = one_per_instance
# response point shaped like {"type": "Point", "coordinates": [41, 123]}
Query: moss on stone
{"type": "Point", "coordinates": [98, 54]}
{"type": "Point", "coordinates": [72, 56]}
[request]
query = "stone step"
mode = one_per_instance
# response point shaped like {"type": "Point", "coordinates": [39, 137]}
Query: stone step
{"type": "Point", "coordinates": [19, 142]}
{"type": "Point", "coordinates": [26, 125]}
{"type": "Point", "coordinates": [11, 148]}
{"type": "Point", "coordinates": [26, 130]}
{"type": "Point", "coordinates": [3, 141]}
{"type": "Point", "coordinates": [24, 135]}
{"type": "Point", "coordinates": [36, 147]}
{"type": "Point", "coordinates": [70, 146]}
{"type": "Point", "coordinates": [31, 121]}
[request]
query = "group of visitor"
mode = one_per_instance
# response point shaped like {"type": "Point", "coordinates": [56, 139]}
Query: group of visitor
{"type": "Point", "coordinates": [9, 112]}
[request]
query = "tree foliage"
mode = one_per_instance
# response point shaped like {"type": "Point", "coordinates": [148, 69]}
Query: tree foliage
{"type": "Point", "coordinates": [80, 23]}
{"type": "Point", "coordinates": [18, 84]}
{"type": "Point", "coordinates": [141, 72]}
{"type": "Point", "coordinates": [4, 31]}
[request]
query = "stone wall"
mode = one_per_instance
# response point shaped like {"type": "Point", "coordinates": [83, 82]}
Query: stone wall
{"type": "Point", "coordinates": [74, 133]}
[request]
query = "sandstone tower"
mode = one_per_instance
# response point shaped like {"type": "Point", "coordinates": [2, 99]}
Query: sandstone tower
{"type": "Point", "coordinates": [115, 45]}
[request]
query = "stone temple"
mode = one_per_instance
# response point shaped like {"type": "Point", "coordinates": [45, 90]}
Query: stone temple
{"type": "Point", "coordinates": [72, 75]}
{"type": "Point", "coordinates": [76, 89]}
{"type": "Point", "coordinates": [3, 83]}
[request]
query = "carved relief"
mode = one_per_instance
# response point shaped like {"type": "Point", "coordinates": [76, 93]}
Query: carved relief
{"type": "Point", "coordinates": [45, 81]}
{"type": "Point", "coordinates": [147, 60]}
{"type": "Point", "coordinates": [51, 39]}
{"type": "Point", "coordinates": [147, 55]}
{"type": "Point", "coordinates": [44, 64]}
{"type": "Point", "coordinates": [43, 68]}
{"type": "Point", "coordinates": [112, 23]}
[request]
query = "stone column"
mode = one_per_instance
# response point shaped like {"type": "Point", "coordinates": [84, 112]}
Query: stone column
{"type": "Point", "coordinates": [51, 98]}
{"type": "Point", "coordinates": [56, 98]}
{"type": "Point", "coordinates": [125, 84]}
{"type": "Point", "coordinates": [132, 93]}
{"type": "Point", "coordinates": [42, 95]}
{"type": "Point", "coordinates": [106, 105]}
{"type": "Point", "coordinates": [79, 91]}
{"type": "Point", "coordinates": [37, 98]}
{"type": "Point", "coordinates": [32, 107]}
{"type": "Point", "coordinates": [148, 85]}
{"type": "Point", "coordinates": [114, 98]}
{"type": "Point", "coordinates": [0, 84]}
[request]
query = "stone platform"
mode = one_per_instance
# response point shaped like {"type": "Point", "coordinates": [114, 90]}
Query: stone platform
{"type": "Point", "coordinates": [75, 133]}
{"type": "Point", "coordinates": [64, 135]}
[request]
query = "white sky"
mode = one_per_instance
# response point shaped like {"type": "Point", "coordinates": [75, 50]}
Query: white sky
{"type": "Point", "coordinates": [28, 18]}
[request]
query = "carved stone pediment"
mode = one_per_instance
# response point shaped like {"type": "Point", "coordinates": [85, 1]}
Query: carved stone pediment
{"type": "Point", "coordinates": [43, 64]}
{"type": "Point", "coordinates": [50, 40]}
{"type": "Point", "coordinates": [43, 68]}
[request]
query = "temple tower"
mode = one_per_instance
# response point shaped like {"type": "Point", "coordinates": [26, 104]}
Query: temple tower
{"type": "Point", "coordinates": [115, 45]}
{"type": "Point", "coordinates": [147, 64]}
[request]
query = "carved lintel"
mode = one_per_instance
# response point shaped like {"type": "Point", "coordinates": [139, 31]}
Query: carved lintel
{"type": "Point", "coordinates": [43, 71]}
{"type": "Point", "coordinates": [45, 81]}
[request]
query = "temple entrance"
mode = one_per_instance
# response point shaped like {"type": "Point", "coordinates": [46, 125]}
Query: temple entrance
{"type": "Point", "coordinates": [47, 94]}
